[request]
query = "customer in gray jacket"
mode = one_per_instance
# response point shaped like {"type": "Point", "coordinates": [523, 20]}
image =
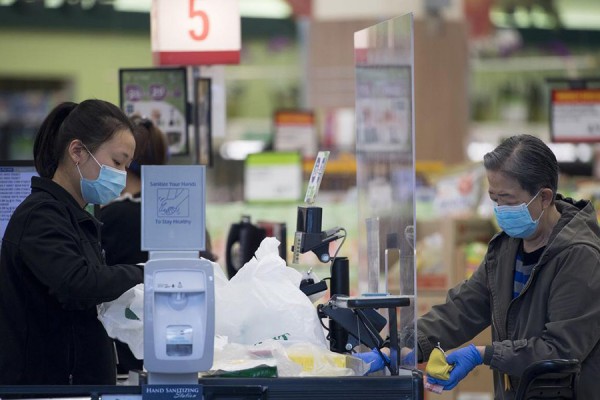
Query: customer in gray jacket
{"type": "Point", "coordinates": [538, 285]}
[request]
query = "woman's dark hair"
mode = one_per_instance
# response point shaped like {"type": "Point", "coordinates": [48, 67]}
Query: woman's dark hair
{"type": "Point", "coordinates": [150, 145]}
{"type": "Point", "coordinates": [91, 121]}
{"type": "Point", "coordinates": [528, 160]}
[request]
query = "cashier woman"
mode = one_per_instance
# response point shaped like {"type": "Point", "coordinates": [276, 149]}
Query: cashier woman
{"type": "Point", "coordinates": [538, 285]}
{"type": "Point", "coordinates": [52, 270]}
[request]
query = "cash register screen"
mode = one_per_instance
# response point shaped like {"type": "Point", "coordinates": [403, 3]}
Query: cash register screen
{"type": "Point", "coordinates": [15, 185]}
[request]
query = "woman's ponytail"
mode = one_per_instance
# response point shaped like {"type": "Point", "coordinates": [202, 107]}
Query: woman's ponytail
{"type": "Point", "coordinates": [46, 155]}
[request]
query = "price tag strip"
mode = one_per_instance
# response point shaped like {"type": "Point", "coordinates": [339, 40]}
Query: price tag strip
{"type": "Point", "coordinates": [315, 177]}
{"type": "Point", "coordinates": [297, 247]}
{"type": "Point", "coordinates": [311, 193]}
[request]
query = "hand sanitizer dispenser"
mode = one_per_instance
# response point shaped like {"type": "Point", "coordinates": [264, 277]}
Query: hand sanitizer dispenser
{"type": "Point", "coordinates": [179, 307]}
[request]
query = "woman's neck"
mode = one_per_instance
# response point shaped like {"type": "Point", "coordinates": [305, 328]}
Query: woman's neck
{"type": "Point", "coordinates": [70, 183]}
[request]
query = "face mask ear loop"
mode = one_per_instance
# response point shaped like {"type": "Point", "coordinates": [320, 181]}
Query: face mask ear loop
{"type": "Point", "coordinates": [533, 198]}
{"type": "Point", "coordinates": [78, 170]}
{"type": "Point", "coordinates": [537, 220]}
{"type": "Point", "coordinates": [543, 209]}
{"type": "Point", "coordinates": [90, 153]}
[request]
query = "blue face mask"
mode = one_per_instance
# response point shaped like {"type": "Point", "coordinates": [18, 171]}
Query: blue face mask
{"type": "Point", "coordinates": [104, 189]}
{"type": "Point", "coordinates": [516, 221]}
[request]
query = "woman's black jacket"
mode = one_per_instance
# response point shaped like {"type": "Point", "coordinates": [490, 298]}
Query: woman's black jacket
{"type": "Point", "coordinates": [52, 277]}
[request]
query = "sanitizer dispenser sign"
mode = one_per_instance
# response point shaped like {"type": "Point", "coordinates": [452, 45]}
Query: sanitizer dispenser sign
{"type": "Point", "coordinates": [173, 207]}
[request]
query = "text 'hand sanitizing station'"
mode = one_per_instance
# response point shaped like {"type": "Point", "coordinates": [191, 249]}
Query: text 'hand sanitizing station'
{"type": "Point", "coordinates": [178, 286]}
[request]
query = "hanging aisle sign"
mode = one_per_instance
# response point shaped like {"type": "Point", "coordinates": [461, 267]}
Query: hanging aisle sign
{"type": "Point", "coordinates": [575, 115]}
{"type": "Point", "coordinates": [195, 32]}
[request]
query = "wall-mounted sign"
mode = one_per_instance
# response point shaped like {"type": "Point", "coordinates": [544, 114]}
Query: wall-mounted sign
{"type": "Point", "coordinates": [195, 32]}
{"type": "Point", "coordinates": [575, 115]}
{"type": "Point", "coordinates": [295, 130]}
{"type": "Point", "coordinates": [160, 95]}
{"type": "Point", "coordinates": [273, 176]}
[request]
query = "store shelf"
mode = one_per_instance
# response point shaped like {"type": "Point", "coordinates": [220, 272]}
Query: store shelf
{"type": "Point", "coordinates": [533, 63]}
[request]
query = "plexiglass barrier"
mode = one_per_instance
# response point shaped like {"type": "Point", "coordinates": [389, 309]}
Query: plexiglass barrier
{"type": "Point", "coordinates": [386, 168]}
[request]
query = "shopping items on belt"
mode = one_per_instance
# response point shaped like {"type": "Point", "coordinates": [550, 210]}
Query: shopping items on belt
{"type": "Point", "coordinates": [272, 359]}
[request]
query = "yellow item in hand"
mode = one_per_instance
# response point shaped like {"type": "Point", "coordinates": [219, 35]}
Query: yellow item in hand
{"type": "Point", "coordinates": [437, 366]}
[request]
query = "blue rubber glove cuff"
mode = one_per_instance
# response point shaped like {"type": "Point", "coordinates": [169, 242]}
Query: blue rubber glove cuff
{"type": "Point", "coordinates": [374, 359]}
{"type": "Point", "coordinates": [409, 359]}
{"type": "Point", "coordinates": [464, 360]}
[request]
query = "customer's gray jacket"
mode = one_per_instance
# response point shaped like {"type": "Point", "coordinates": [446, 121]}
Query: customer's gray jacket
{"type": "Point", "coordinates": [556, 316]}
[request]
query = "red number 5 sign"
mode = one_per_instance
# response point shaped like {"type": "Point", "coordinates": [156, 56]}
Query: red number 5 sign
{"type": "Point", "coordinates": [195, 32]}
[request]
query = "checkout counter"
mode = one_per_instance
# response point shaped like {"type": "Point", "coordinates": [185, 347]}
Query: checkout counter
{"type": "Point", "coordinates": [407, 386]}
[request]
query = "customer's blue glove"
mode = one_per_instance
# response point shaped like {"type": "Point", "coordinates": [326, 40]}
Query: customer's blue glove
{"type": "Point", "coordinates": [464, 360]}
{"type": "Point", "coordinates": [374, 359]}
{"type": "Point", "coordinates": [409, 359]}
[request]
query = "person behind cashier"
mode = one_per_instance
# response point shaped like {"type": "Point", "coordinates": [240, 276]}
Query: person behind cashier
{"type": "Point", "coordinates": [52, 269]}
{"type": "Point", "coordinates": [538, 285]}
{"type": "Point", "coordinates": [121, 218]}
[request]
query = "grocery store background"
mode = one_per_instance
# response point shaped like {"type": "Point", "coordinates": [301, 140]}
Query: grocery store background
{"type": "Point", "coordinates": [481, 74]}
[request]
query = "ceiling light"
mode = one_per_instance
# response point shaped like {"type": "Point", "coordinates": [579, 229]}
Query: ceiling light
{"type": "Point", "coordinates": [476, 150]}
{"type": "Point", "coordinates": [239, 149]}
{"type": "Point", "coordinates": [53, 3]}
{"type": "Point", "coordinates": [276, 9]}
{"type": "Point", "coordinates": [133, 5]}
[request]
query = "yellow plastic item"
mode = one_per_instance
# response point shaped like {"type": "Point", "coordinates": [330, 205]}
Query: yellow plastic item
{"type": "Point", "coordinates": [437, 366]}
{"type": "Point", "coordinates": [307, 361]}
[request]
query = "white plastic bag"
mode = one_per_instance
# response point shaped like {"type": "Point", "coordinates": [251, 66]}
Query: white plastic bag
{"type": "Point", "coordinates": [123, 319]}
{"type": "Point", "coordinates": [263, 301]}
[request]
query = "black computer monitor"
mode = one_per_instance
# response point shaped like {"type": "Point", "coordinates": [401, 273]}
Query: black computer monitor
{"type": "Point", "coordinates": [15, 185]}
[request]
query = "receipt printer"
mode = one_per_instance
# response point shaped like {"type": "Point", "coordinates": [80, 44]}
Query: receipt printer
{"type": "Point", "coordinates": [179, 315]}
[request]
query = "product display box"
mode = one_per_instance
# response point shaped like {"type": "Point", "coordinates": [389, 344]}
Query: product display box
{"type": "Point", "coordinates": [448, 251]}
{"type": "Point", "coordinates": [441, 257]}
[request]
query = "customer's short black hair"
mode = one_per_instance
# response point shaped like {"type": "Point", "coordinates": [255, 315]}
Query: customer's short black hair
{"type": "Point", "coordinates": [527, 159]}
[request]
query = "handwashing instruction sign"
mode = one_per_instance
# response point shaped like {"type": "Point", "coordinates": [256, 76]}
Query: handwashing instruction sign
{"type": "Point", "coordinates": [173, 207]}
